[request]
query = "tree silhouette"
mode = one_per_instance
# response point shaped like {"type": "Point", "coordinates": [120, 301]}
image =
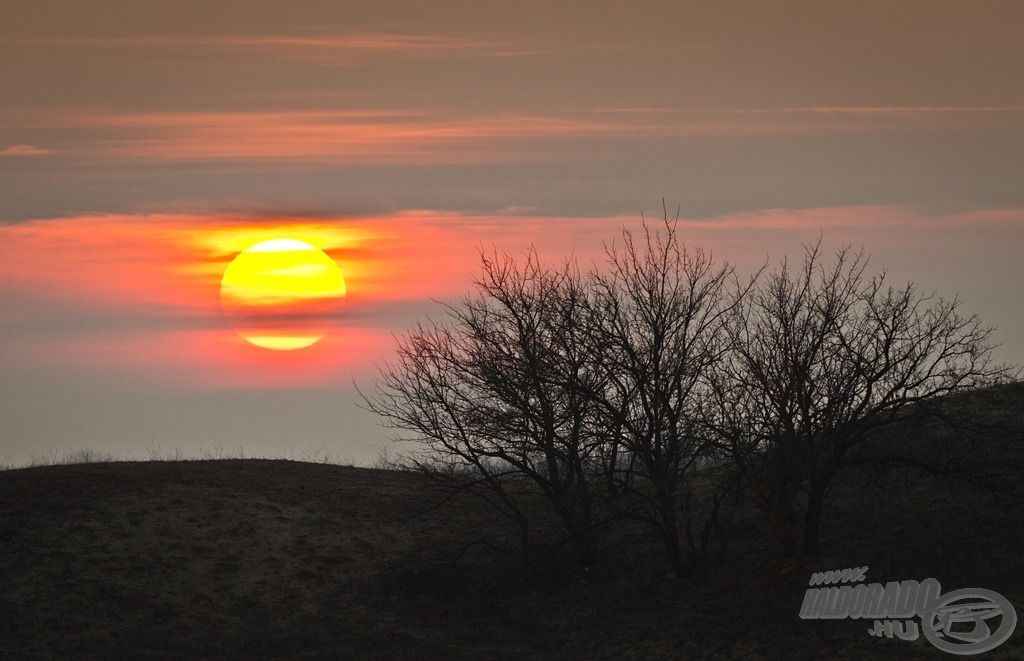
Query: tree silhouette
{"type": "Point", "coordinates": [823, 358]}
{"type": "Point", "coordinates": [619, 383]}
{"type": "Point", "coordinates": [658, 322]}
{"type": "Point", "coordinates": [496, 393]}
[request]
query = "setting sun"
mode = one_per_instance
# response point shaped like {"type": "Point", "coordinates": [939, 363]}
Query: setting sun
{"type": "Point", "coordinates": [282, 294]}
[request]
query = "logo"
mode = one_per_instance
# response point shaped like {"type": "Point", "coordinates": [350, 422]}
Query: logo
{"type": "Point", "coordinates": [967, 621]}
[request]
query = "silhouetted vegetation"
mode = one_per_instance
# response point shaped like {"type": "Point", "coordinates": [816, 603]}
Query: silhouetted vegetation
{"type": "Point", "coordinates": [605, 391]}
{"type": "Point", "coordinates": [822, 359]}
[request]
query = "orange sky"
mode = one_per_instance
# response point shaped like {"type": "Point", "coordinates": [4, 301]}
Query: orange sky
{"type": "Point", "coordinates": [143, 145]}
{"type": "Point", "coordinates": [151, 283]}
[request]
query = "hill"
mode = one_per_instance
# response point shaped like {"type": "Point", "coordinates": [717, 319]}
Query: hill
{"type": "Point", "coordinates": [281, 559]}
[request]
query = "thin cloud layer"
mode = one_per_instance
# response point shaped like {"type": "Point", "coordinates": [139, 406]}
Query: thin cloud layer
{"type": "Point", "coordinates": [378, 137]}
{"type": "Point", "coordinates": [325, 49]}
{"type": "Point", "coordinates": [24, 150]}
{"type": "Point", "coordinates": [108, 292]}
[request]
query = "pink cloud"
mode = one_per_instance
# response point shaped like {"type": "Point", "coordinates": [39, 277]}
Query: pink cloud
{"type": "Point", "coordinates": [347, 137]}
{"type": "Point", "coordinates": [329, 49]}
{"type": "Point", "coordinates": [24, 150]}
{"type": "Point", "coordinates": [440, 137]}
{"type": "Point", "coordinates": [140, 293]}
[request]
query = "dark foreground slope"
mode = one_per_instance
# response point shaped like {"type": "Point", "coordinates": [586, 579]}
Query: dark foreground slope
{"type": "Point", "coordinates": [278, 559]}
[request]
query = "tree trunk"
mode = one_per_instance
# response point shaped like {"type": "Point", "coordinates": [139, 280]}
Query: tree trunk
{"type": "Point", "coordinates": [812, 520]}
{"type": "Point", "coordinates": [581, 537]}
{"type": "Point", "coordinates": [670, 534]}
{"type": "Point", "coordinates": [584, 553]}
{"type": "Point", "coordinates": [774, 512]}
{"type": "Point", "coordinates": [784, 536]}
{"type": "Point", "coordinates": [523, 528]}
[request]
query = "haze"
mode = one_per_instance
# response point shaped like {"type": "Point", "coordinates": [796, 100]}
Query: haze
{"type": "Point", "coordinates": [142, 145]}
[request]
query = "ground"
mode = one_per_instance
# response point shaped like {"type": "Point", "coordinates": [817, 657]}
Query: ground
{"type": "Point", "coordinates": [281, 559]}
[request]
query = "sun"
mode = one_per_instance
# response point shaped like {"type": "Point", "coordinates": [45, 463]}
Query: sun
{"type": "Point", "coordinates": [282, 294]}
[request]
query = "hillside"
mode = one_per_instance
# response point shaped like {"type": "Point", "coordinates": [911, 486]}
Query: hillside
{"type": "Point", "coordinates": [280, 559]}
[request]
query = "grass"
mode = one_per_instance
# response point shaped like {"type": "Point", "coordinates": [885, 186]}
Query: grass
{"type": "Point", "coordinates": [260, 558]}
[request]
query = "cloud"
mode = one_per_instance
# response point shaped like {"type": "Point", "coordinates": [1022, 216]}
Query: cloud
{"type": "Point", "coordinates": [328, 49]}
{"type": "Point", "coordinates": [424, 137]}
{"type": "Point", "coordinates": [883, 119]}
{"type": "Point", "coordinates": [141, 292]}
{"type": "Point", "coordinates": [24, 150]}
{"type": "Point", "coordinates": [358, 137]}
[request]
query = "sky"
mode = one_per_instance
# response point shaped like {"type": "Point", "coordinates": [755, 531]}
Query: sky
{"type": "Point", "coordinates": [144, 145]}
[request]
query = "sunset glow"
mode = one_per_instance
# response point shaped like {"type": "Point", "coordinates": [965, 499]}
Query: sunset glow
{"type": "Point", "coordinates": [213, 222]}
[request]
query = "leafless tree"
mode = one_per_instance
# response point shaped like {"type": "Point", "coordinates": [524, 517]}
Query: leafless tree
{"type": "Point", "coordinates": [496, 393]}
{"type": "Point", "coordinates": [823, 358]}
{"type": "Point", "coordinates": [658, 323]}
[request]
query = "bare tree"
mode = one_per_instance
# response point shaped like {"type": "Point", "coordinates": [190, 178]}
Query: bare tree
{"type": "Point", "coordinates": [823, 358]}
{"type": "Point", "coordinates": [496, 393]}
{"type": "Point", "coordinates": [657, 323]}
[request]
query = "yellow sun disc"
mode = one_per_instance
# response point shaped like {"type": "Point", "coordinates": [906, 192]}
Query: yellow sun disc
{"type": "Point", "coordinates": [282, 294]}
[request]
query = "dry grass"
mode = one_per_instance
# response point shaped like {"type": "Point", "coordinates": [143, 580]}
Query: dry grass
{"type": "Point", "coordinates": [281, 559]}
